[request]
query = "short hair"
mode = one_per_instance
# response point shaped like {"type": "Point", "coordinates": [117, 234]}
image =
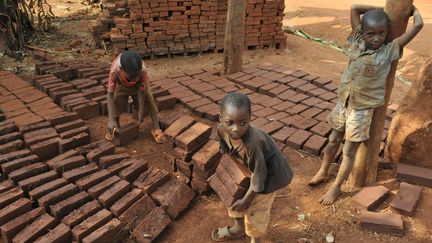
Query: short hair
{"type": "Point", "coordinates": [131, 62]}
{"type": "Point", "coordinates": [236, 99]}
{"type": "Point", "coordinates": [375, 15]}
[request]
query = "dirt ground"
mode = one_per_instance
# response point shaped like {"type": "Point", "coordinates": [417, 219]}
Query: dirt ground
{"type": "Point", "coordinates": [296, 213]}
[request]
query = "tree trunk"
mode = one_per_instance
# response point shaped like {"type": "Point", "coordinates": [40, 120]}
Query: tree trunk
{"type": "Point", "coordinates": [234, 36]}
{"type": "Point", "coordinates": [410, 134]}
{"type": "Point", "coordinates": [365, 168]}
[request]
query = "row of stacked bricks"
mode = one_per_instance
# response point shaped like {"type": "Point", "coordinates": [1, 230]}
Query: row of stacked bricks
{"type": "Point", "coordinates": [56, 187]}
{"type": "Point", "coordinates": [289, 104]}
{"type": "Point", "coordinates": [80, 86]}
{"type": "Point", "coordinates": [166, 27]}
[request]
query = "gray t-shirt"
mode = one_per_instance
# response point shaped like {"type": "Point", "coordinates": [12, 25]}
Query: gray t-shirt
{"type": "Point", "coordinates": [260, 154]}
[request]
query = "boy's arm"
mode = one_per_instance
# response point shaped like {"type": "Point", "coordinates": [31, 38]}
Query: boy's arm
{"type": "Point", "coordinates": [151, 105]}
{"type": "Point", "coordinates": [356, 11]}
{"type": "Point", "coordinates": [110, 104]}
{"type": "Point", "coordinates": [406, 37]}
{"type": "Point", "coordinates": [243, 204]}
{"type": "Point", "coordinates": [141, 101]}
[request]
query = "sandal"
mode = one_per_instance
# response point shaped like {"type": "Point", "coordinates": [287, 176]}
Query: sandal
{"type": "Point", "coordinates": [109, 136]}
{"type": "Point", "coordinates": [158, 135]}
{"type": "Point", "coordinates": [223, 234]}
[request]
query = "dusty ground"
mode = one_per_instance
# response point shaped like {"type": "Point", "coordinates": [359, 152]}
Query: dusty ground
{"type": "Point", "coordinates": [296, 213]}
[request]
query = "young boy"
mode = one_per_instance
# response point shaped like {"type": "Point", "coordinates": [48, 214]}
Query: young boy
{"type": "Point", "coordinates": [257, 151]}
{"type": "Point", "coordinates": [128, 77]}
{"type": "Point", "coordinates": [362, 89]}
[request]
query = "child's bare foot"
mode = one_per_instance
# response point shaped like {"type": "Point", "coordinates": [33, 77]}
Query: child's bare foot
{"type": "Point", "coordinates": [331, 195]}
{"type": "Point", "coordinates": [318, 179]}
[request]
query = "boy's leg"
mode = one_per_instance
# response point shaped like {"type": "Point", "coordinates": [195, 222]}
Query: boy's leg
{"type": "Point", "coordinates": [257, 216]}
{"type": "Point", "coordinates": [330, 151]}
{"type": "Point", "coordinates": [232, 232]}
{"type": "Point", "coordinates": [349, 152]}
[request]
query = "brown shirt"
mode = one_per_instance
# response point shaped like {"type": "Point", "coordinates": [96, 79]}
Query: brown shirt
{"type": "Point", "coordinates": [260, 154]}
{"type": "Point", "coordinates": [364, 78]}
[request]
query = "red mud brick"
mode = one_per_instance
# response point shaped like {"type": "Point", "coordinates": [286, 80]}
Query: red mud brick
{"type": "Point", "coordinates": [18, 163]}
{"type": "Point", "coordinates": [11, 146]}
{"type": "Point", "coordinates": [265, 112]}
{"type": "Point", "coordinates": [150, 180]}
{"type": "Point", "coordinates": [414, 175]}
{"type": "Point", "coordinates": [110, 232]}
{"type": "Point", "coordinates": [12, 228]}
{"type": "Point", "coordinates": [126, 134]}
{"type": "Point", "coordinates": [323, 129]}
{"type": "Point", "coordinates": [305, 88]}
{"type": "Point", "coordinates": [69, 125]}
{"type": "Point", "coordinates": [132, 172]}
{"type": "Point", "coordinates": [28, 171]}
{"type": "Point", "coordinates": [63, 118]}
{"type": "Point", "coordinates": [208, 155]}
{"type": "Point", "coordinates": [407, 199]}
{"type": "Point", "coordinates": [234, 190]}
{"type": "Point", "coordinates": [297, 140]}
{"type": "Point", "coordinates": [69, 164]}
{"type": "Point", "coordinates": [87, 111]}
{"type": "Point", "coordinates": [116, 191]}
{"type": "Point", "coordinates": [93, 179]}
{"type": "Point", "coordinates": [71, 203]}
{"type": "Point", "coordinates": [216, 184]}
{"type": "Point", "coordinates": [59, 158]}
{"type": "Point", "coordinates": [370, 198]}
{"type": "Point", "coordinates": [297, 98]}
{"type": "Point", "coordinates": [45, 135]}
{"type": "Point", "coordinates": [166, 120]}
{"type": "Point", "coordinates": [103, 149]}
{"type": "Point", "coordinates": [272, 127]}
{"type": "Point", "coordinates": [77, 173]}
{"type": "Point", "coordinates": [311, 112]}
{"type": "Point", "coordinates": [200, 185]}
{"type": "Point", "coordinates": [44, 189]}
{"type": "Point", "coordinates": [316, 92]}
{"type": "Point", "coordinates": [197, 103]}
{"type": "Point", "coordinates": [328, 96]}
{"type": "Point", "coordinates": [179, 126]}
{"type": "Point", "coordinates": [59, 234]}
{"type": "Point", "coordinates": [153, 224]}
{"type": "Point", "coordinates": [282, 135]}
{"type": "Point", "coordinates": [83, 212]}
{"type": "Point", "coordinates": [321, 82]}
{"type": "Point", "coordinates": [10, 137]}
{"type": "Point", "coordinates": [174, 196]}
{"type": "Point", "coordinates": [240, 174]}
{"type": "Point", "coordinates": [58, 195]}
{"type": "Point", "coordinates": [194, 136]}
{"type": "Point", "coordinates": [109, 160]}
{"type": "Point", "coordinates": [8, 128]}
{"type": "Point", "coordinates": [305, 123]}
{"type": "Point", "coordinates": [36, 229]}
{"type": "Point", "coordinates": [277, 116]}
{"type": "Point", "coordinates": [315, 144]}
{"type": "Point", "coordinates": [166, 102]}
{"type": "Point", "coordinates": [322, 116]}
{"type": "Point", "coordinates": [135, 213]}
{"type": "Point", "coordinates": [125, 202]}
{"type": "Point", "coordinates": [73, 132]}
{"type": "Point", "coordinates": [91, 224]}
{"type": "Point", "coordinates": [184, 167]}
{"type": "Point", "coordinates": [73, 142]}
{"type": "Point", "coordinates": [383, 222]}
{"type": "Point", "coordinates": [283, 106]}
{"type": "Point", "coordinates": [14, 210]}
{"type": "Point", "coordinates": [6, 186]}
{"type": "Point", "coordinates": [277, 90]}
{"type": "Point", "coordinates": [35, 181]}
{"type": "Point", "coordinates": [14, 155]}
{"type": "Point", "coordinates": [46, 149]}
{"type": "Point", "coordinates": [10, 196]}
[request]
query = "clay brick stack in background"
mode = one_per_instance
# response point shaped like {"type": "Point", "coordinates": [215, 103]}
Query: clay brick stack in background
{"type": "Point", "coordinates": [167, 27]}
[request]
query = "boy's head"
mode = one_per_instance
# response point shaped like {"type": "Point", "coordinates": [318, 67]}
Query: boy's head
{"type": "Point", "coordinates": [375, 24]}
{"type": "Point", "coordinates": [131, 64]}
{"type": "Point", "coordinates": [235, 114]}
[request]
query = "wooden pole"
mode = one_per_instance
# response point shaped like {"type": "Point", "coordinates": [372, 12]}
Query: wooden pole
{"type": "Point", "coordinates": [234, 36]}
{"type": "Point", "coordinates": [365, 167]}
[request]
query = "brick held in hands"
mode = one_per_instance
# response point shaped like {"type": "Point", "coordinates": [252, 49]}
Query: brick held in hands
{"type": "Point", "coordinates": [116, 191]}
{"type": "Point", "coordinates": [135, 213]}
{"type": "Point", "coordinates": [36, 229]}
{"type": "Point", "coordinates": [239, 173]}
{"type": "Point", "coordinates": [179, 126]}
{"type": "Point", "coordinates": [44, 189]}
{"type": "Point", "coordinates": [132, 172]}
{"type": "Point", "coordinates": [58, 195]}
{"type": "Point", "coordinates": [74, 142]}
{"type": "Point", "coordinates": [10, 196]}
{"type": "Point", "coordinates": [15, 209]}
{"type": "Point", "coordinates": [216, 184]}
{"type": "Point", "coordinates": [61, 233]}
{"type": "Point", "coordinates": [315, 144]}
{"type": "Point", "coordinates": [234, 190]}
{"type": "Point", "coordinates": [12, 228]}
{"type": "Point", "coordinates": [382, 222]}
{"type": "Point", "coordinates": [125, 202]}
{"type": "Point", "coordinates": [18, 163]}
{"type": "Point", "coordinates": [193, 136]}
{"type": "Point", "coordinates": [69, 204]}
{"type": "Point", "coordinates": [35, 181]}
{"type": "Point", "coordinates": [108, 160]}
{"type": "Point", "coordinates": [77, 173]}
{"type": "Point", "coordinates": [153, 224]}
{"type": "Point", "coordinates": [414, 175]}
{"type": "Point", "coordinates": [106, 233]}
{"type": "Point", "coordinates": [6, 186]}
{"type": "Point", "coordinates": [407, 199]}
{"type": "Point", "coordinates": [370, 198]}
{"type": "Point", "coordinates": [79, 215]}
{"type": "Point", "coordinates": [101, 150]}
{"type": "Point", "coordinates": [28, 171]}
{"type": "Point", "coordinates": [150, 180]}
{"type": "Point", "coordinates": [174, 196]}
{"type": "Point", "coordinates": [88, 110]}
{"type": "Point", "coordinates": [63, 118]}
{"type": "Point", "coordinates": [126, 134]}
{"type": "Point", "coordinates": [92, 223]}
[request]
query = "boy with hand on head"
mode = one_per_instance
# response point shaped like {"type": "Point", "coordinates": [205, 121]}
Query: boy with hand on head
{"type": "Point", "coordinates": [128, 77]}
{"type": "Point", "coordinates": [256, 150]}
{"type": "Point", "coordinates": [362, 88]}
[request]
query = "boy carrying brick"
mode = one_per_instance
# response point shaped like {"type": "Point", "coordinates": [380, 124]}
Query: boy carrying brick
{"type": "Point", "coordinates": [128, 77]}
{"type": "Point", "coordinates": [361, 89]}
{"type": "Point", "coordinates": [257, 151]}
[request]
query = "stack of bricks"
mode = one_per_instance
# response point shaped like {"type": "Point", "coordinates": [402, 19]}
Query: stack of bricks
{"type": "Point", "coordinates": [231, 180]}
{"type": "Point", "coordinates": [167, 27]}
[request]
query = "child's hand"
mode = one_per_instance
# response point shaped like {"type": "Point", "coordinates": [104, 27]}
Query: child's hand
{"type": "Point", "coordinates": [239, 205]}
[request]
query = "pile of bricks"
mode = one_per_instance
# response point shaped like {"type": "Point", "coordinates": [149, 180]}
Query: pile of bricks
{"type": "Point", "coordinates": [166, 27]}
